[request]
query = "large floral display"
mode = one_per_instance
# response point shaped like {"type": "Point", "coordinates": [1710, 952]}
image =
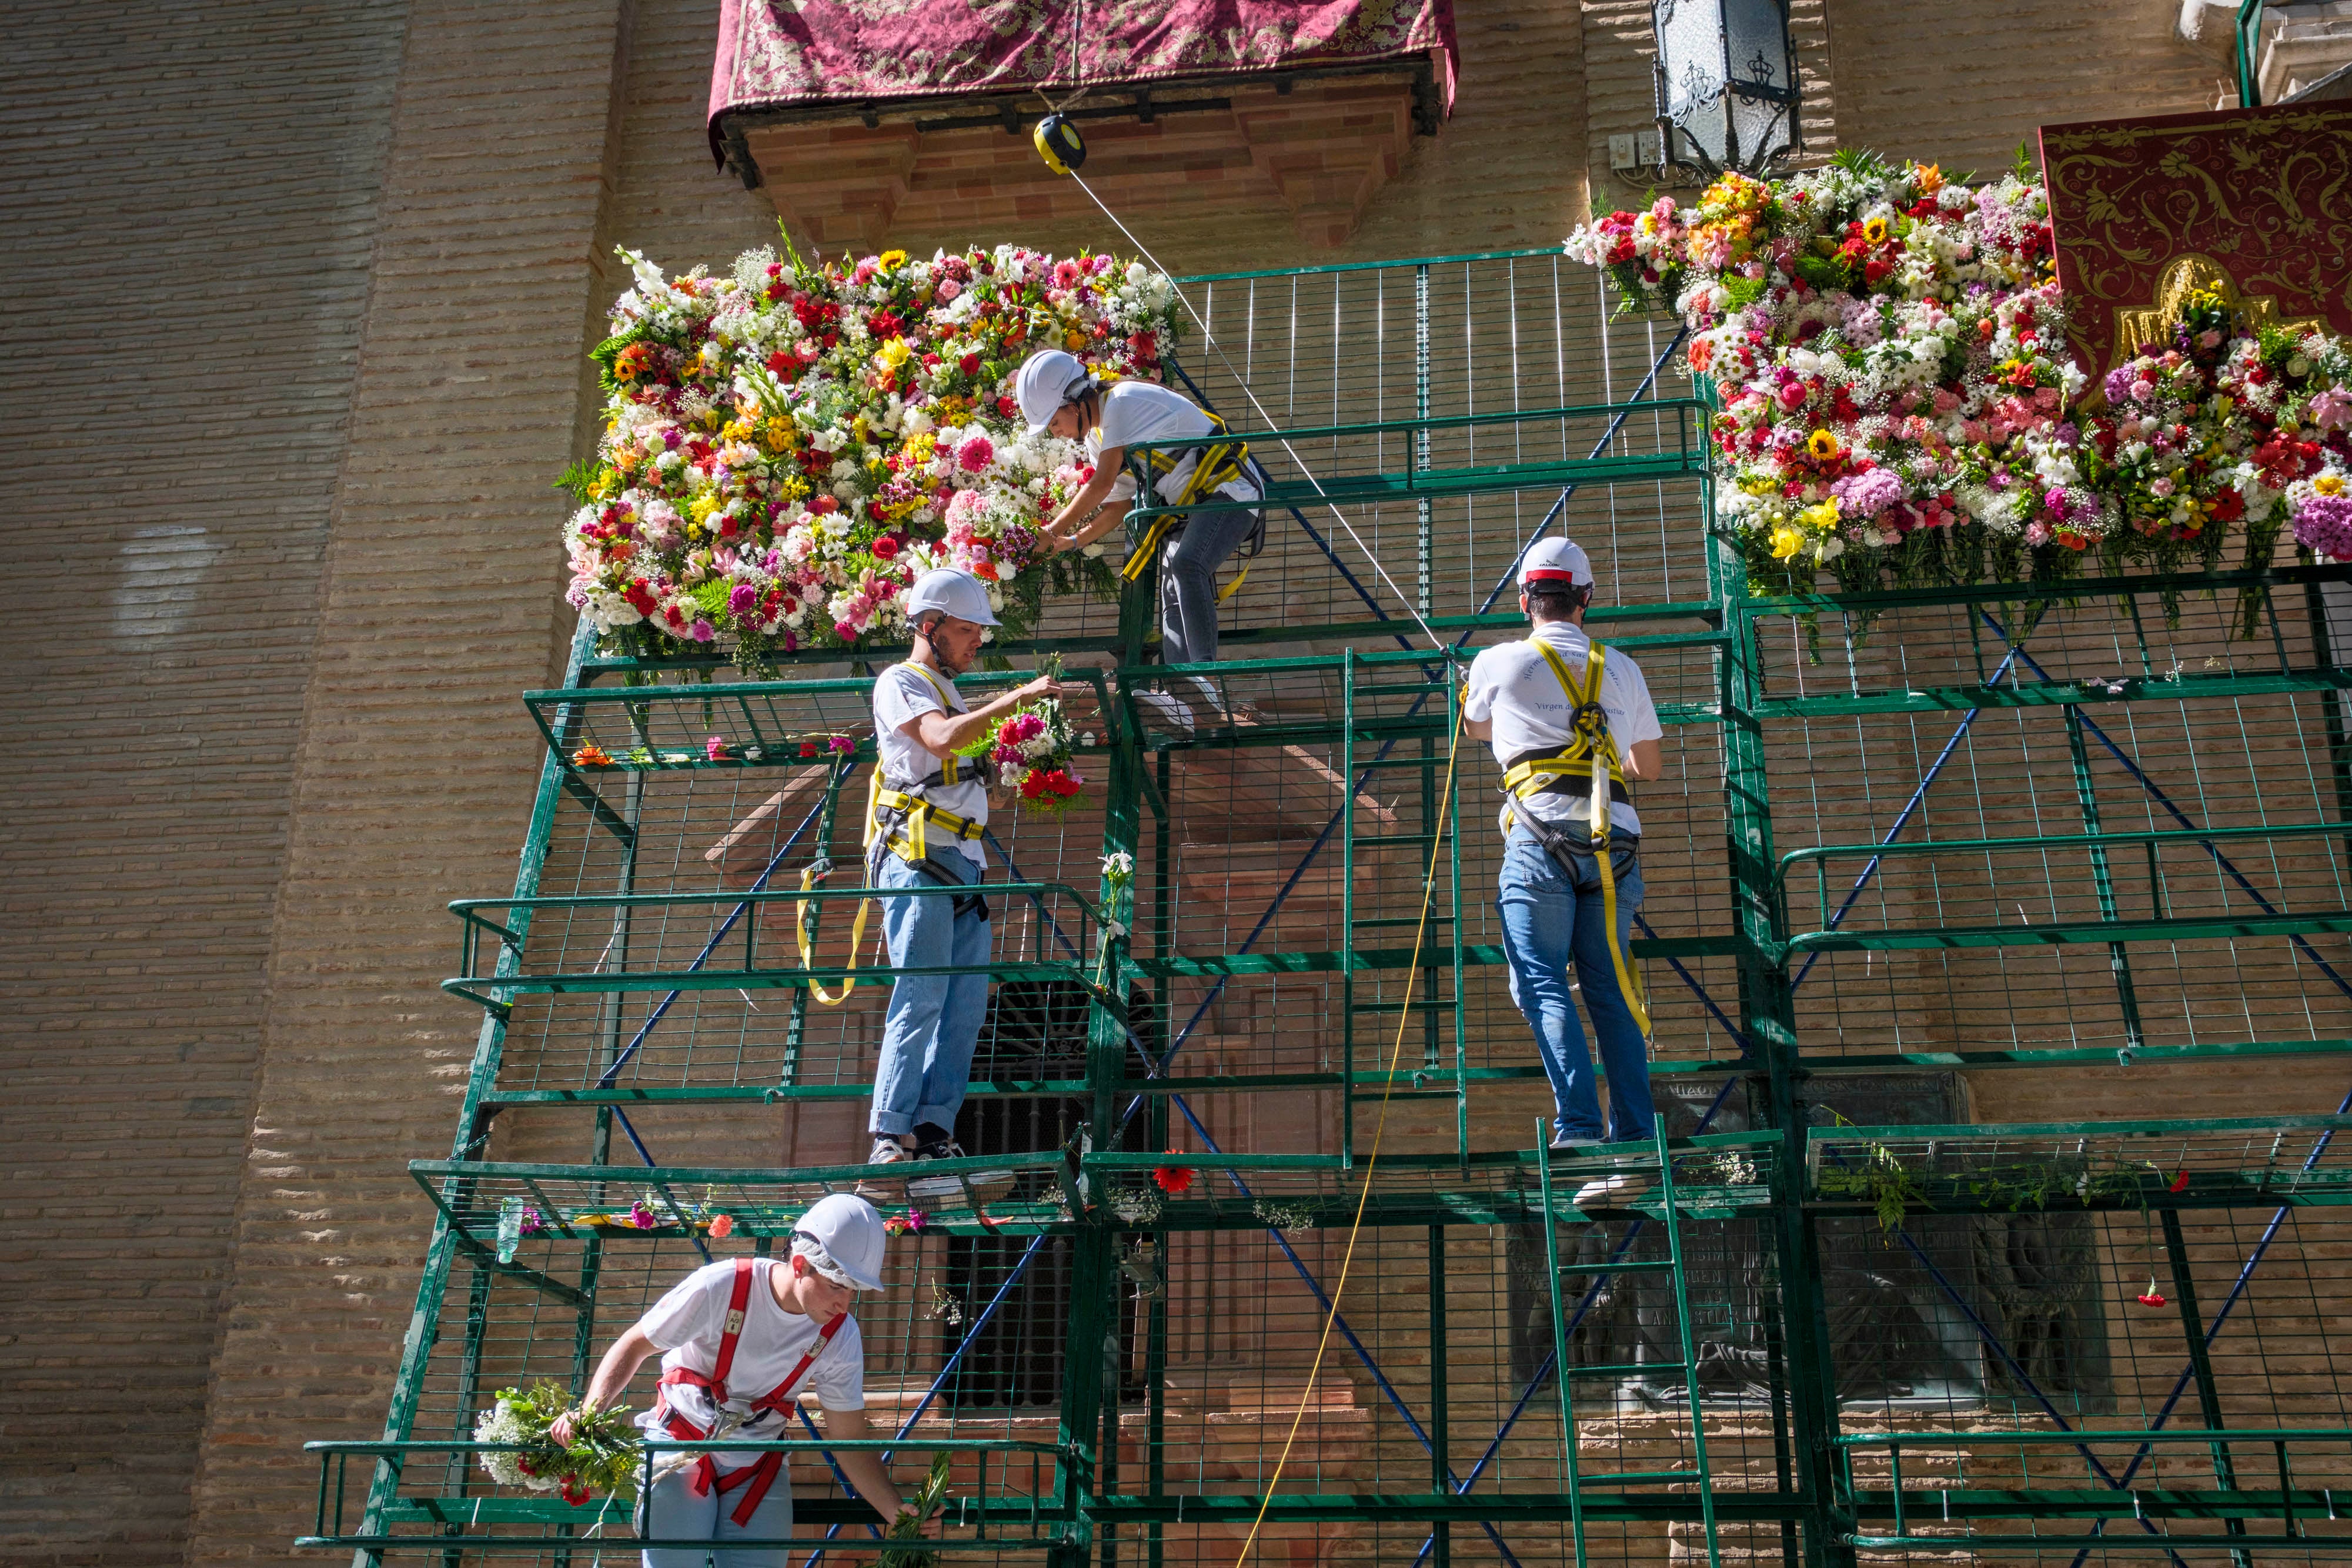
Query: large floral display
{"type": "Point", "coordinates": [1898, 405]}
{"type": "Point", "coordinates": [789, 444]}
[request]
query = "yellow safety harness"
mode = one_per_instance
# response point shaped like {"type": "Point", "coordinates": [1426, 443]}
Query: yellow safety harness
{"type": "Point", "coordinates": [898, 822]}
{"type": "Point", "coordinates": [1590, 754]}
{"type": "Point", "coordinates": [1222, 461]}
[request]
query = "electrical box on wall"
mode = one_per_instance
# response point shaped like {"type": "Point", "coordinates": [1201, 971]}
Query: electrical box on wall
{"type": "Point", "coordinates": [1640, 156]}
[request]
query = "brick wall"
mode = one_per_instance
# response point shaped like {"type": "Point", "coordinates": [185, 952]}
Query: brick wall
{"type": "Point", "coordinates": [413, 780]}
{"type": "Point", "coordinates": [1965, 85]}
{"type": "Point", "coordinates": [189, 196]}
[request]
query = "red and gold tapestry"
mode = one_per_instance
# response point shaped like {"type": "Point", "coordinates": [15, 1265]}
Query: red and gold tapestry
{"type": "Point", "coordinates": [2255, 205]}
{"type": "Point", "coordinates": [781, 52]}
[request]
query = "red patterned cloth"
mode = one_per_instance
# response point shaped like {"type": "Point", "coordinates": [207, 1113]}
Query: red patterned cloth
{"type": "Point", "coordinates": [777, 52]}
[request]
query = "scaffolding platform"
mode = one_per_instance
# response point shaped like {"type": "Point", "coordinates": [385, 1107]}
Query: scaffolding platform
{"type": "Point", "coordinates": [1266, 1266]}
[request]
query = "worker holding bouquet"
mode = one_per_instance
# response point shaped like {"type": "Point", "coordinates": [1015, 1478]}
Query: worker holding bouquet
{"type": "Point", "coordinates": [1215, 481]}
{"type": "Point", "coordinates": [740, 1342]}
{"type": "Point", "coordinates": [1572, 724]}
{"type": "Point", "coordinates": [926, 811]}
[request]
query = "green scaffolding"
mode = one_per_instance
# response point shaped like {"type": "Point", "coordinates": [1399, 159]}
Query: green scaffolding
{"type": "Point", "coordinates": [1905, 838]}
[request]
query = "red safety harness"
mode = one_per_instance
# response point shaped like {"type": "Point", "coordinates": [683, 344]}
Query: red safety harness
{"type": "Point", "coordinates": [754, 1479]}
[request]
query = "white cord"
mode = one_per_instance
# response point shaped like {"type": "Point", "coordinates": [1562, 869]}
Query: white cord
{"type": "Point", "coordinates": [1210, 338]}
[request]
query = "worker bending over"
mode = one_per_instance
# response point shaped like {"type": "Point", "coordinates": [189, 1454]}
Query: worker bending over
{"type": "Point", "coordinates": [1571, 724]}
{"type": "Point", "coordinates": [924, 813]}
{"type": "Point", "coordinates": [1216, 482]}
{"type": "Point", "coordinates": [739, 1341]}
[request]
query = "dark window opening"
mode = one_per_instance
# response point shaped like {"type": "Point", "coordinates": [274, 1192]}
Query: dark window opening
{"type": "Point", "coordinates": [1036, 1030]}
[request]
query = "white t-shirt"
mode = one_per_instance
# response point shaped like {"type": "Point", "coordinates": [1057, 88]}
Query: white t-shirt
{"type": "Point", "coordinates": [687, 1323]}
{"type": "Point", "coordinates": [1146, 410]}
{"type": "Point", "coordinates": [901, 694]}
{"type": "Point", "coordinates": [1513, 685]}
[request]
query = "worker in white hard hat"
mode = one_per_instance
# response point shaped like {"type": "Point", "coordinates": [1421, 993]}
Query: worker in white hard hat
{"type": "Point", "coordinates": [740, 1342]}
{"type": "Point", "coordinates": [1572, 725]}
{"type": "Point", "coordinates": [1214, 482]}
{"type": "Point", "coordinates": [926, 809]}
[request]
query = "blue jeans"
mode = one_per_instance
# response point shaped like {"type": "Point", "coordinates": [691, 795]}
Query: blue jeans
{"type": "Point", "coordinates": [934, 1020]}
{"type": "Point", "coordinates": [1548, 919]}
{"type": "Point", "coordinates": [1188, 582]}
{"type": "Point", "coordinates": [671, 1511]}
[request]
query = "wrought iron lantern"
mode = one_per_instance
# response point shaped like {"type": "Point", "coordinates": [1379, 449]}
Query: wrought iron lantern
{"type": "Point", "coordinates": [1727, 84]}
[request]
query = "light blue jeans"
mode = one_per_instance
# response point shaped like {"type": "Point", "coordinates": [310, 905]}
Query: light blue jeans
{"type": "Point", "coordinates": [671, 1511]}
{"type": "Point", "coordinates": [1550, 919]}
{"type": "Point", "coordinates": [934, 1020]}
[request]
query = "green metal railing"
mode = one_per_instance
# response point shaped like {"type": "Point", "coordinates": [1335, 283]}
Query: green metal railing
{"type": "Point", "coordinates": [1000, 1518]}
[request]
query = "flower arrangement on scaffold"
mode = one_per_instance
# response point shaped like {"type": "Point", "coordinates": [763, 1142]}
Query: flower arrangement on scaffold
{"type": "Point", "coordinates": [1899, 405]}
{"type": "Point", "coordinates": [789, 444]}
{"type": "Point", "coordinates": [1032, 750]}
{"type": "Point", "coordinates": [603, 1455]}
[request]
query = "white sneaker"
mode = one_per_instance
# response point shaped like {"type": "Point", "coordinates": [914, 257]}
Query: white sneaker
{"type": "Point", "coordinates": [887, 1151]}
{"type": "Point", "coordinates": [1166, 709]}
{"type": "Point", "coordinates": [945, 1186]}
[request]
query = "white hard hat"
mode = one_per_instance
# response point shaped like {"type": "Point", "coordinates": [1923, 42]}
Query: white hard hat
{"type": "Point", "coordinates": [958, 593]}
{"type": "Point", "coordinates": [850, 1231]}
{"type": "Point", "coordinates": [1555, 563]}
{"type": "Point", "coordinates": [1046, 380]}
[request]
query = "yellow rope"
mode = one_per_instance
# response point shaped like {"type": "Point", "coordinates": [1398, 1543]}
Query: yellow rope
{"type": "Point", "coordinates": [1388, 1087]}
{"type": "Point", "coordinates": [808, 956]}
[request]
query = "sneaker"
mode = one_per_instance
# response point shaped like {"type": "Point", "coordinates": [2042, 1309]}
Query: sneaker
{"type": "Point", "coordinates": [947, 1185]}
{"type": "Point", "coordinates": [1166, 709]}
{"type": "Point", "coordinates": [887, 1151]}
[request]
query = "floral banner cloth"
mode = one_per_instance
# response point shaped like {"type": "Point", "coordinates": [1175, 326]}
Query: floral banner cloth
{"type": "Point", "coordinates": [776, 52]}
{"type": "Point", "coordinates": [2254, 204]}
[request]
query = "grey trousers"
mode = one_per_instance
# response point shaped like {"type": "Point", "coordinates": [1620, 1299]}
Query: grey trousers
{"type": "Point", "coordinates": [1188, 582]}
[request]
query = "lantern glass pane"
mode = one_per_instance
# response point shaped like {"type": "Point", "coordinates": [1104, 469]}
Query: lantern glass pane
{"type": "Point", "coordinates": [1690, 53]}
{"type": "Point", "coordinates": [1762, 124]}
{"type": "Point", "coordinates": [1756, 35]}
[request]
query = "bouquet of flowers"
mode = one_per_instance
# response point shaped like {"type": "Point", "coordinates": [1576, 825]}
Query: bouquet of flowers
{"type": "Point", "coordinates": [1898, 405]}
{"type": "Point", "coordinates": [1032, 748]}
{"type": "Point", "coordinates": [2221, 427]}
{"type": "Point", "coordinates": [789, 444]}
{"type": "Point", "coordinates": [603, 1455]}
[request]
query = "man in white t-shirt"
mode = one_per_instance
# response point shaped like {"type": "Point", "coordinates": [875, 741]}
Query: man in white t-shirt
{"type": "Point", "coordinates": [1571, 724]}
{"type": "Point", "coordinates": [928, 810]}
{"type": "Point", "coordinates": [1058, 397]}
{"type": "Point", "coordinates": [740, 1342]}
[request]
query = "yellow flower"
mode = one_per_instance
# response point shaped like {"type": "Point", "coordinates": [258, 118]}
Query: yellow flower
{"type": "Point", "coordinates": [1820, 519]}
{"type": "Point", "coordinates": [1786, 542]}
{"type": "Point", "coordinates": [1821, 446]}
{"type": "Point", "coordinates": [2329, 483]}
{"type": "Point", "coordinates": [702, 505]}
{"type": "Point", "coordinates": [892, 260]}
{"type": "Point", "coordinates": [779, 431]}
{"type": "Point", "coordinates": [1928, 177]}
{"type": "Point", "coordinates": [1074, 341]}
{"type": "Point", "coordinates": [1874, 230]}
{"type": "Point", "coordinates": [795, 487]}
{"type": "Point", "coordinates": [893, 354]}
